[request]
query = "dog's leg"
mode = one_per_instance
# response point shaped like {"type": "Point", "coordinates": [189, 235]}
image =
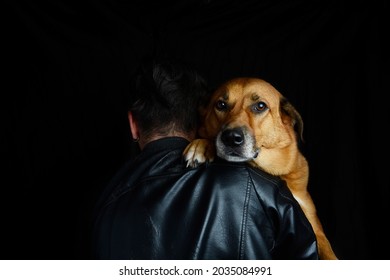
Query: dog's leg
{"type": "Point", "coordinates": [199, 151]}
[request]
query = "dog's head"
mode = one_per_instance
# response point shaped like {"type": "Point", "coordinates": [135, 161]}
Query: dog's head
{"type": "Point", "coordinates": [246, 116]}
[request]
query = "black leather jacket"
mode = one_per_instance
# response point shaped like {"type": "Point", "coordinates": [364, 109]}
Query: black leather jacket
{"type": "Point", "coordinates": [156, 208]}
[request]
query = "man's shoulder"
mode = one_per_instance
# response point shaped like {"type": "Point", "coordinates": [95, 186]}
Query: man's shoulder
{"type": "Point", "coordinates": [244, 173]}
{"type": "Point", "coordinates": [234, 170]}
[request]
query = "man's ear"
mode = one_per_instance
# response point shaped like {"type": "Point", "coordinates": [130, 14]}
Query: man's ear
{"type": "Point", "coordinates": [133, 126]}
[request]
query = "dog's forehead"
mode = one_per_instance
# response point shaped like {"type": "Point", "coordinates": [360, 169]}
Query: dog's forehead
{"type": "Point", "coordinates": [251, 88]}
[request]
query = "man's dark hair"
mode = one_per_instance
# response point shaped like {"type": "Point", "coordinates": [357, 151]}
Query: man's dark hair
{"type": "Point", "coordinates": [167, 96]}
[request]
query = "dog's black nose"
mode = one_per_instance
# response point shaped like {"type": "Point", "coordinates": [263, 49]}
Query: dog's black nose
{"type": "Point", "coordinates": [232, 137]}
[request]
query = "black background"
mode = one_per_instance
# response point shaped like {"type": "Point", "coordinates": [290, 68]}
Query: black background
{"type": "Point", "coordinates": [64, 129]}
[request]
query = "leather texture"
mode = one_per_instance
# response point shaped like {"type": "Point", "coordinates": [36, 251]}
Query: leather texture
{"type": "Point", "coordinates": [157, 208]}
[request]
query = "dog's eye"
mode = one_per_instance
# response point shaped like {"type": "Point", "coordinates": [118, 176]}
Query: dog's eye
{"type": "Point", "coordinates": [259, 107]}
{"type": "Point", "coordinates": [221, 105]}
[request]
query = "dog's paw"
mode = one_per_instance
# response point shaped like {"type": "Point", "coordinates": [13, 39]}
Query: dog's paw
{"type": "Point", "coordinates": [199, 151]}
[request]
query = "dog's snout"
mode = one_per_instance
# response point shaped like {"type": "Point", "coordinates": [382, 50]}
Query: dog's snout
{"type": "Point", "coordinates": [233, 137]}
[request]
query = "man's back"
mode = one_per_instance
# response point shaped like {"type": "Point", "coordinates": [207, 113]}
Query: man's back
{"type": "Point", "coordinates": [156, 208]}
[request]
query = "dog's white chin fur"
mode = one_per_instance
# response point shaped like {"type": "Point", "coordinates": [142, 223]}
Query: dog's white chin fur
{"type": "Point", "coordinates": [232, 158]}
{"type": "Point", "coordinates": [247, 151]}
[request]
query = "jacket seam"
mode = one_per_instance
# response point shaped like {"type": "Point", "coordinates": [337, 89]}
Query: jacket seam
{"type": "Point", "coordinates": [245, 219]}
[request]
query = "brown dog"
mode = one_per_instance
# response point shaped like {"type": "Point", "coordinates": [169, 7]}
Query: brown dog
{"type": "Point", "coordinates": [247, 119]}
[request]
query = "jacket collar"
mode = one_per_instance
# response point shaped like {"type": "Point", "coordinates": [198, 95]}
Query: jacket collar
{"type": "Point", "coordinates": [166, 143]}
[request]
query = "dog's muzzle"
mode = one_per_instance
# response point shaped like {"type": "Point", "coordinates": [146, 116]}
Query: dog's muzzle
{"type": "Point", "coordinates": [236, 144]}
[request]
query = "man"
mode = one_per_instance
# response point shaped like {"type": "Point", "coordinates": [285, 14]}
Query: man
{"type": "Point", "coordinates": [157, 208]}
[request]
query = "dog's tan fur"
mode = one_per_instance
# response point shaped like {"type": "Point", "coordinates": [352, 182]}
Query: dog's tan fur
{"type": "Point", "coordinates": [271, 126]}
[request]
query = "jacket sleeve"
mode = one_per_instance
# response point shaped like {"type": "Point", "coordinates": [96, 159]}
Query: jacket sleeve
{"type": "Point", "coordinates": [296, 239]}
{"type": "Point", "coordinates": [294, 235]}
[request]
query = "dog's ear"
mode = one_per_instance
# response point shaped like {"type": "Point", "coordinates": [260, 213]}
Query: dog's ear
{"type": "Point", "coordinates": [205, 102]}
{"type": "Point", "coordinates": [292, 115]}
{"type": "Point", "coordinates": [203, 111]}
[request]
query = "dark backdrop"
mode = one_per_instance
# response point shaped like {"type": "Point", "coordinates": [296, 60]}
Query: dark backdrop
{"type": "Point", "coordinates": [64, 128]}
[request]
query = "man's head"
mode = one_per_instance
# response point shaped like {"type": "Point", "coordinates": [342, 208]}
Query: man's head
{"type": "Point", "coordinates": [167, 96]}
